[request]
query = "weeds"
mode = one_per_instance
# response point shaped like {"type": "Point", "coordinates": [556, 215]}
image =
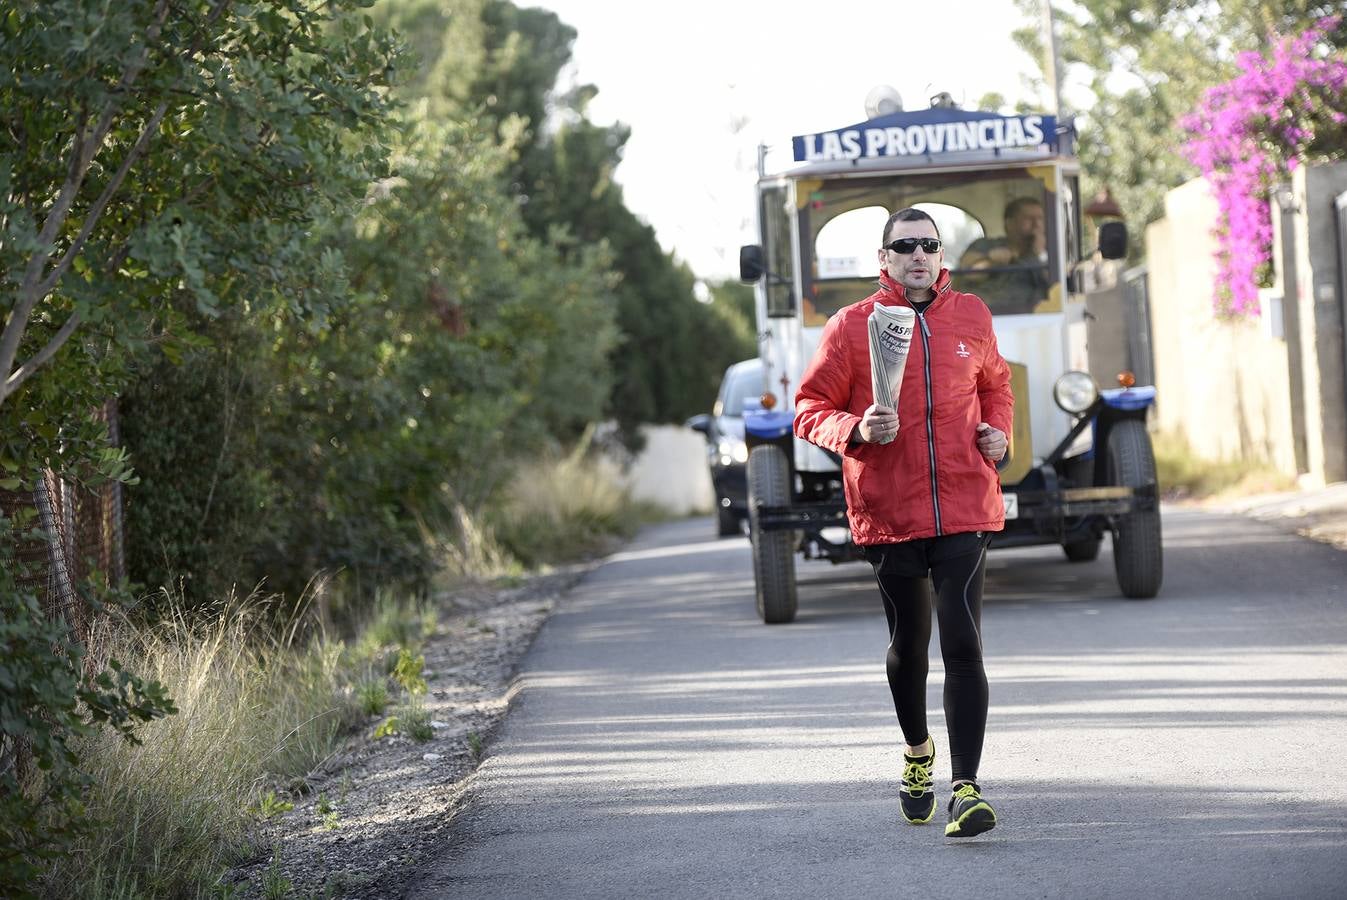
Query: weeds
{"type": "Point", "coordinates": [372, 696]}
{"type": "Point", "coordinates": [327, 814]}
{"type": "Point", "coordinates": [414, 721]}
{"type": "Point", "coordinates": [275, 886]}
{"type": "Point", "coordinates": [269, 806]}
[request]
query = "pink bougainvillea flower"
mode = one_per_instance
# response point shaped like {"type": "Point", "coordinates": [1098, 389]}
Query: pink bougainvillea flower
{"type": "Point", "coordinates": [1248, 134]}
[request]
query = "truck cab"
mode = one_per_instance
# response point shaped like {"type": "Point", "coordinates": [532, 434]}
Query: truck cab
{"type": "Point", "coordinates": [1004, 192]}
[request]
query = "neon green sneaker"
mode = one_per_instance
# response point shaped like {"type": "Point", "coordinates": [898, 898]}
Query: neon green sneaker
{"type": "Point", "coordinates": [969, 814]}
{"type": "Point", "coordinates": [916, 796]}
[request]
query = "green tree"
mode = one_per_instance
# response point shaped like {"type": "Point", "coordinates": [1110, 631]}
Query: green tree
{"type": "Point", "coordinates": [163, 164]}
{"type": "Point", "coordinates": [174, 150]}
{"type": "Point", "coordinates": [471, 344]}
{"type": "Point", "coordinates": [503, 62]}
{"type": "Point", "coordinates": [1147, 63]}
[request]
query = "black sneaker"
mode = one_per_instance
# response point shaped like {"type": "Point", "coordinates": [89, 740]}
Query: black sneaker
{"type": "Point", "coordinates": [916, 796]}
{"type": "Point", "coordinates": [969, 814]}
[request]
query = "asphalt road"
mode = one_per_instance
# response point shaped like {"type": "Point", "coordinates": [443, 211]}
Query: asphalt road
{"type": "Point", "coordinates": [667, 744]}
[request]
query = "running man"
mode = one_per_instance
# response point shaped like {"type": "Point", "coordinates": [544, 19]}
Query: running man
{"type": "Point", "coordinates": [923, 498]}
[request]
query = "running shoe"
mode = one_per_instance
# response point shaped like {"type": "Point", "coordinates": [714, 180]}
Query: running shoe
{"type": "Point", "coordinates": [969, 814]}
{"type": "Point", "coordinates": [916, 796]}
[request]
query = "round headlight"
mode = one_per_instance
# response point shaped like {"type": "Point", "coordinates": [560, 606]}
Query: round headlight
{"type": "Point", "coordinates": [1075, 392]}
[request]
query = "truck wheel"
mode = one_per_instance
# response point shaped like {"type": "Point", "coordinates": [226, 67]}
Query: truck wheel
{"type": "Point", "coordinates": [773, 553]}
{"type": "Point", "coordinates": [1137, 556]}
{"type": "Point", "coordinates": [1082, 551]}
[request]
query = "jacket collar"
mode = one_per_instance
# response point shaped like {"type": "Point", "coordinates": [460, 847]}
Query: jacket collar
{"type": "Point", "coordinates": [898, 293]}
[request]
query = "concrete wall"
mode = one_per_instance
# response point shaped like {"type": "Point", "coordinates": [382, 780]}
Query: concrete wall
{"type": "Point", "coordinates": [1223, 385]}
{"type": "Point", "coordinates": [671, 471]}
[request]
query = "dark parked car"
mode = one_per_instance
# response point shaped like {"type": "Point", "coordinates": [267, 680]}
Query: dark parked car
{"type": "Point", "coordinates": [726, 452]}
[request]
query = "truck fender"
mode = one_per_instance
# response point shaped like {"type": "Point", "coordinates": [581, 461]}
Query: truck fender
{"type": "Point", "coordinates": [1116, 405]}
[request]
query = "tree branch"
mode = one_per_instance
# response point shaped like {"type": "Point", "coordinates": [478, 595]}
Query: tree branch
{"type": "Point", "coordinates": [23, 372]}
{"type": "Point", "coordinates": [34, 286]}
{"type": "Point", "coordinates": [96, 211]}
{"type": "Point", "coordinates": [86, 147]}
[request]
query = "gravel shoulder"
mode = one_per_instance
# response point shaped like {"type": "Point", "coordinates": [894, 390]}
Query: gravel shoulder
{"type": "Point", "coordinates": [374, 811]}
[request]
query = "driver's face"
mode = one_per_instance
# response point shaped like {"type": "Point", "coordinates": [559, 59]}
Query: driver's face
{"type": "Point", "coordinates": [1024, 230]}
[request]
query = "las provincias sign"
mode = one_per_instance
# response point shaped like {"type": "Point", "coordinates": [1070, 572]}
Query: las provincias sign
{"type": "Point", "coordinates": [927, 132]}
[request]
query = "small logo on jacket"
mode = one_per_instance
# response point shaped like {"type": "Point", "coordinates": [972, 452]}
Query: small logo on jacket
{"type": "Point", "coordinates": [963, 350]}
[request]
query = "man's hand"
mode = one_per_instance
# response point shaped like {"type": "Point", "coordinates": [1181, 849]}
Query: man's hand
{"type": "Point", "coordinates": [879, 425]}
{"type": "Point", "coordinates": [991, 442]}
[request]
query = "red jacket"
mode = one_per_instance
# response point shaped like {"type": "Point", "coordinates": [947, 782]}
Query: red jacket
{"type": "Point", "coordinates": [931, 479]}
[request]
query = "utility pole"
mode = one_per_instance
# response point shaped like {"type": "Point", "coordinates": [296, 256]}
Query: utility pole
{"type": "Point", "coordinates": [1051, 61]}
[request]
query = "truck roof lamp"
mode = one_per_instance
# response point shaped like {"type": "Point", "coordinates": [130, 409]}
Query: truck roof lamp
{"type": "Point", "coordinates": [882, 100]}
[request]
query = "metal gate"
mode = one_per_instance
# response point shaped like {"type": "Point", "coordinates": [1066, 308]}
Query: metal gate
{"type": "Point", "coordinates": [1136, 303]}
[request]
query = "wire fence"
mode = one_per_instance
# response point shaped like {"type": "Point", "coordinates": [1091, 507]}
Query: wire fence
{"type": "Point", "coordinates": [79, 536]}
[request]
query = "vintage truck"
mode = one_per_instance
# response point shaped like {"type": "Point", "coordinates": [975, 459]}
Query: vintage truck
{"type": "Point", "coordinates": [1080, 464]}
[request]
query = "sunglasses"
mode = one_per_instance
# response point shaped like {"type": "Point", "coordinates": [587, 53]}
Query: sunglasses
{"type": "Point", "coordinates": [909, 245]}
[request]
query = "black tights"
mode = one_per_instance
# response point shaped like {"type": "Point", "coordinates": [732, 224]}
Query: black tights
{"type": "Point", "coordinates": [956, 564]}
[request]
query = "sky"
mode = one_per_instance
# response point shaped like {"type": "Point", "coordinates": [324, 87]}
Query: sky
{"type": "Point", "coordinates": [702, 83]}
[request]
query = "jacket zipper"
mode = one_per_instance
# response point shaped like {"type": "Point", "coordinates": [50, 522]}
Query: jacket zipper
{"type": "Point", "coordinates": [930, 411]}
{"type": "Point", "coordinates": [930, 419]}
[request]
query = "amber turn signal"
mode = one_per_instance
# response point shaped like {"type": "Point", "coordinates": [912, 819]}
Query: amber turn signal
{"type": "Point", "coordinates": [768, 400]}
{"type": "Point", "coordinates": [1126, 379]}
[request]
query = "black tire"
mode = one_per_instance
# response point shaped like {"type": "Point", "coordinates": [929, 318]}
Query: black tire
{"type": "Point", "coordinates": [773, 551]}
{"type": "Point", "coordinates": [1138, 559]}
{"type": "Point", "coordinates": [727, 522]}
{"type": "Point", "coordinates": [1084, 550]}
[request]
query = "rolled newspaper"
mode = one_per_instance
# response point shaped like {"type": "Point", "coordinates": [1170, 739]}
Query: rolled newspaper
{"type": "Point", "coordinates": [890, 338]}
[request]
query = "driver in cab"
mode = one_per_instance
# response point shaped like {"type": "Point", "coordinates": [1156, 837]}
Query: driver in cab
{"type": "Point", "coordinates": [1019, 280]}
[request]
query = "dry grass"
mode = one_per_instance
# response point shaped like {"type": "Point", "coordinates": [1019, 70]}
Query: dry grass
{"type": "Point", "coordinates": [260, 707]}
{"type": "Point", "coordinates": [255, 709]}
{"type": "Point", "coordinates": [556, 509]}
{"type": "Point", "coordinates": [1185, 475]}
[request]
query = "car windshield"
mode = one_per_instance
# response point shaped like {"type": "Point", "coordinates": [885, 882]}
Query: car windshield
{"type": "Point", "coordinates": [995, 226]}
{"type": "Point", "coordinates": [740, 384]}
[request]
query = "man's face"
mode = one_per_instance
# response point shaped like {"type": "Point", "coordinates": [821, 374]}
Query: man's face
{"type": "Point", "coordinates": [1024, 230]}
{"type": "Point", "coordinates": [917, 270]}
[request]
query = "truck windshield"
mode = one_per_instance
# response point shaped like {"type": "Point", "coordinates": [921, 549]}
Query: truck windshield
{"type": "Point", "coordinates": [998, 229]}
